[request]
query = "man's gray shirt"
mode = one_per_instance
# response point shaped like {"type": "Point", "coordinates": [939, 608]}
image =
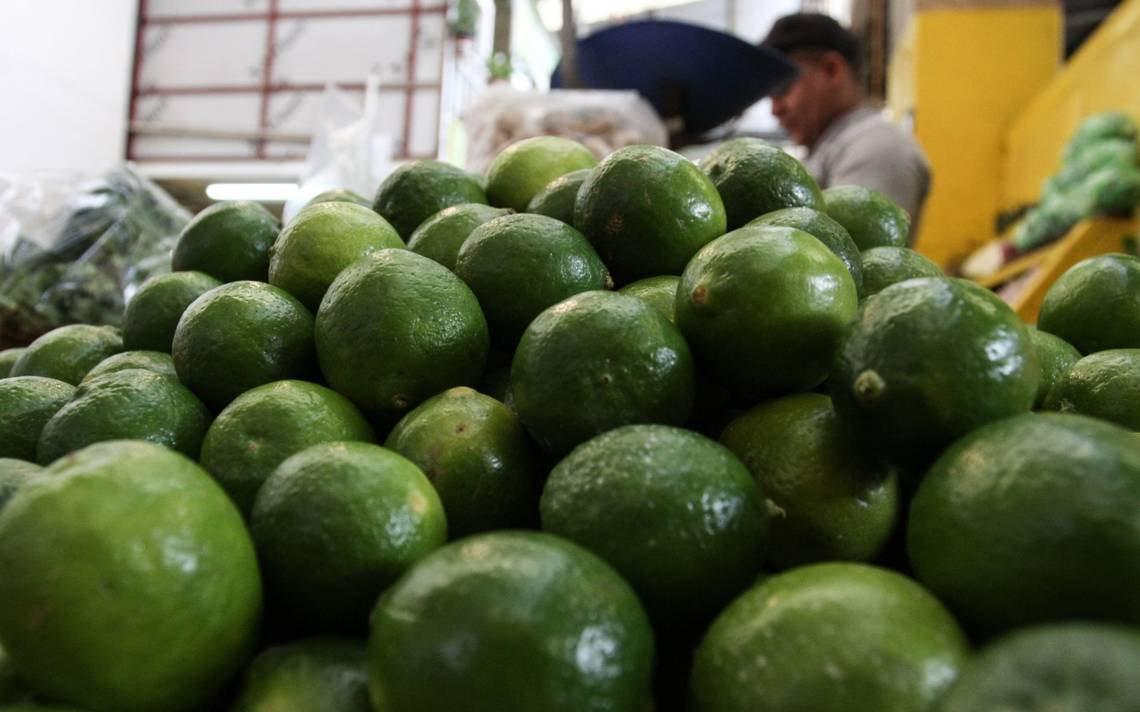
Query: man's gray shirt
{"type": "Point", "coordinates": [863, 148]}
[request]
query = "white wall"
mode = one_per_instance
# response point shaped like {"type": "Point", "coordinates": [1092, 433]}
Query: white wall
{"type": "Point", "coordinates": [65, 75]}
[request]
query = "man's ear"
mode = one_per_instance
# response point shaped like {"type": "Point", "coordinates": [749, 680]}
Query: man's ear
{"type": "Point", "coordinates": [834, 66]}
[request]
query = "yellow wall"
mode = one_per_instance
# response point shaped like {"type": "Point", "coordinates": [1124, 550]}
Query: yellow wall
{"type": "Point", "coordinates": [1103, 75]}
{"type": "Point", "coordinates": [974, 71]}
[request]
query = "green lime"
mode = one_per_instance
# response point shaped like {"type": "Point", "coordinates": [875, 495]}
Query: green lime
{"type": "Point", "coordinates": [134, 404]}
{"type": "Point", "coordinates": [1056, 357]}
{"type": "Point", "coordinates": [870, 217]}
{"type": "Point", "coordinates": [1067, 667]}
{"type": "Point", "coordinates": [68, 353]}
{"type": "Point", "coordinates": [158, 362]}
{"type": "Point", "coordinates": [754, 177]}
{"type": "Point", "coordinates": [27, 403]}
{"type": "Point", "coordinates": [764, 307]}
{"type": "Point", "coordinates": [832, 637]}
{"type": "Point", "coordinates": [14, 474]}
{"type": "Point", "coordinates": [8, 358]}
{"type": "Point", "coordinates": [647, 211]}
{"type": "Point", "coordinates": [11, 689]}
{"type": "Point", "coordinates": [228, 241]}
{"type": "Point", "coordinates": [130, 582]}
{"type": "Point", "coordinates": [1103, 385]}
{"type": "Point", "coordinates": [31, 707]}
{"type": "Point", "coordinates": [928, 360]}
{"type": "Point", "coordinates": [827, 500]}
{"type": "Point", "coordinates": [658, 292]}
{"type": "Point", "coordinates": [395, 329]}
{"type": "Point", "coordinates": [817, 224]}
{"type": "Point", "coordinates": [522, 617]}
{"type": "Point", "coordinates": [524, 168]}
{"type": "Point", "coordinates": [1095, 305]}
{"type": "Point", "coordinates": [440, 236]}
{"type": "Point", "coordinates": [476, 455]}
{"type": "Point", "coordinates": [887, 265]}
{"type": "Point", "coordinates": [336, 524]}
{"type": "Point", "coordinates": [556, 200]}
{"type": "Point", "coordinates": [153, 312]}
{"type": "Point", "coordinates": [1029, 519]}
{"type": "Point", "coordinates": [596, 361]}
{"type": "Point", "coordinates": [239, 336]}
{"type": "Point", "coordinates": [321, 241]}
{"type": "Point", "coordinates": [314, 675]}
{"type": "Point", "coordinates": [518, 265]}
{"type": "Point", "coordinates": [416, 191]}
{"type": "Point", "coordinates": [673, 512]}
{"type": "Point", "coordinates": [339, 195]}
{"type": "Point", "coordinates": [264, 426]}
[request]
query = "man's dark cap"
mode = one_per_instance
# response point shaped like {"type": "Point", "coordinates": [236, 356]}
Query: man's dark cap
{"type": "Point", "coordinates": [809, 30]}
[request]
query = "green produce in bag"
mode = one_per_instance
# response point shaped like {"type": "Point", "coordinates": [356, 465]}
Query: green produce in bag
{"type": "Point", "coordinates": [1113, 191]}
{"type": "Point", "coordinates": [1107, 153]}
{"type": "Point", "coordinates": [1110, 124]}
{"type": "Point", "coordinates": [75, 252]}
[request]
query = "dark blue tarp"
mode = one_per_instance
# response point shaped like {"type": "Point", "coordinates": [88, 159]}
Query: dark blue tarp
{"type": "Point", "coordinates": [703, 75]}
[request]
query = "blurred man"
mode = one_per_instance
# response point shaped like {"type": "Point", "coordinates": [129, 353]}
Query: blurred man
{"type": "Point", "coordinates": [824, 109]}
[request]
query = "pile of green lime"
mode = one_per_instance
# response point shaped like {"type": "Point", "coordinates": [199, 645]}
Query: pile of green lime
{"type": "Point", "coordinates": [587, 433]}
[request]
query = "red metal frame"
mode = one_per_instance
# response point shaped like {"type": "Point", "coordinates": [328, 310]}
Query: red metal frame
{"type": "Point", "coordinates": [207, 158]}
{"type": "Point", "coordinates": [288, 15]}
{"type": "Point", "coordinates": [267, 87]}
{"type": "Point", "coordinates": [439, 93]}
{"type": "Point", "coordinates": [136, 73]}
{"type": "Point", "coordinates": [267, 73]}
{"type": "Point", "coordinates": [409, 95]}
{"type": "Point", "coordinates": [274, 88]}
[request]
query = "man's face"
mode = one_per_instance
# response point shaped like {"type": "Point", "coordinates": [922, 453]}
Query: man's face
{"type": "Point", "coordinates": [804, 107]}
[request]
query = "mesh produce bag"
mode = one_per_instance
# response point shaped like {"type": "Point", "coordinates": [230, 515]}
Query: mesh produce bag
{"type": "Point", "coordinates": [601, 120]}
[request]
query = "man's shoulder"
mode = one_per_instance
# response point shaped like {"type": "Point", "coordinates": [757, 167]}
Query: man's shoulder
{"type": "Point", "coordinates": [871, 131]}
{"type": "Point", "coordinates": [869, 150]}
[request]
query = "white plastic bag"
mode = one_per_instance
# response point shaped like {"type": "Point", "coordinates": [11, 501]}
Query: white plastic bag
{"type": "Point", "coordinates": [348, 148]}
